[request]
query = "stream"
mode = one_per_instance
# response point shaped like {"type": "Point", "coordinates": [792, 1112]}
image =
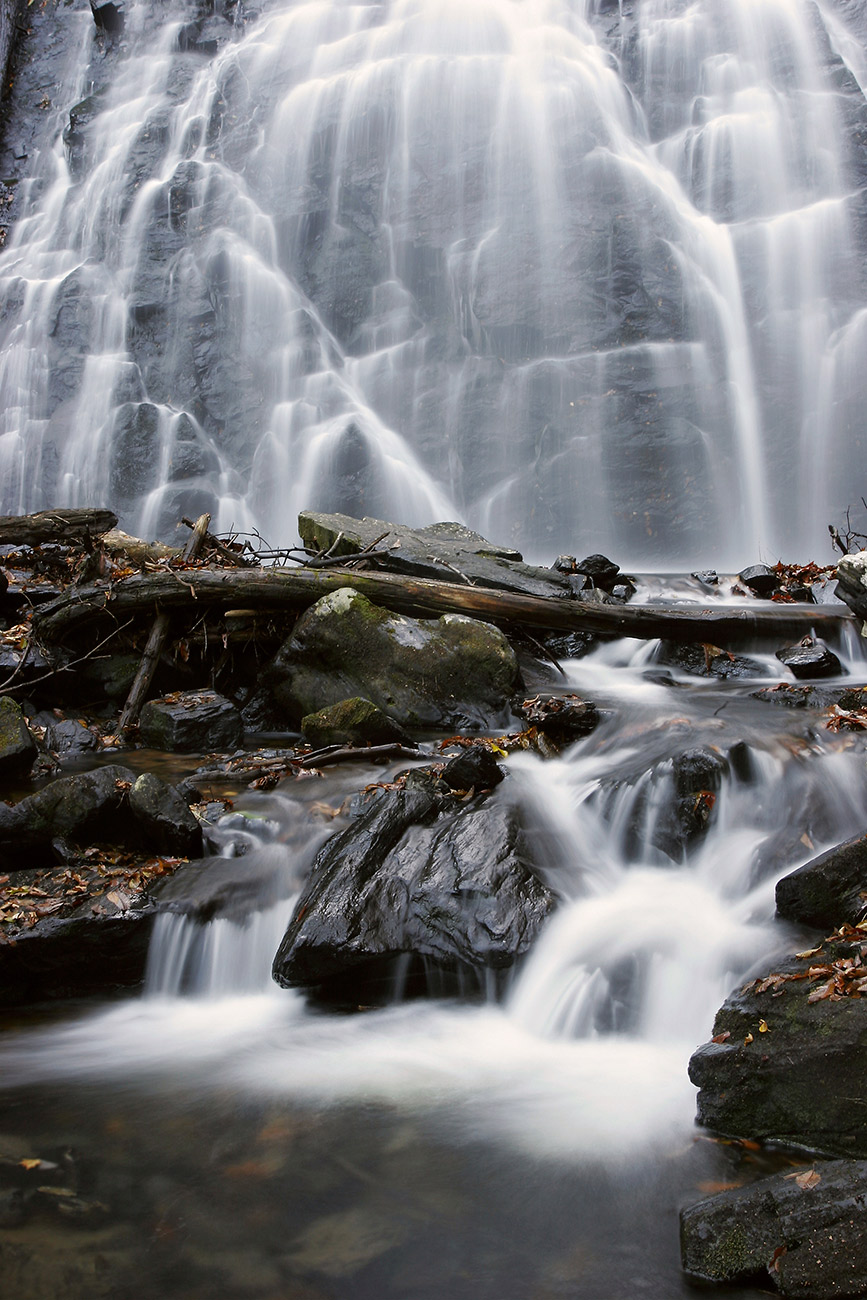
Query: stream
{"type": "Point", "coordinates": [243, 1143]}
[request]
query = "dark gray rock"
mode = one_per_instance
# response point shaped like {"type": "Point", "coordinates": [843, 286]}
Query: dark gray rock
{"type": "Point", "coordinates": [191, 722]}
{"type": "Point", "coordinates": [806, 1232]}
{"type": "Point", "coordinates": [447, 672]}
{"type": "Point", "coordinates": [17, 746]}
{"type": "Point", "coordinates": [232, 888]}
{"type": "Point", "coordinates": [600, 569]}
{"type": "Point", "coordinates": [90, 805]}
{"type": "Point", "coordinates": [352, 722]}
{"type": "Point", "coordinates": [446, 551]}
{"type": "Point", "coordinates": [761, 580]}
{"type": "Point", "coordinates": [710, 661]}
{"type": "Point", "coordinates": [802, 1080]}
{"type": "Point", "coordinates": [829, 891]}
{"type": "Point", "coordinates": [77, 956]}
{"type": "Point", "coordinates": [165, 817]}
{"type": "Point", "coordinates": [69, 739]}
{"type": "Point", "coordinates": [475, 768]}
{"type": "Point", "coordinates": [809, 659]}
{"type": "Point", "coordinates": [697, 776]}
{"type": "Point", "coordinates": [414, 875]}
{"type": "Point", "coordinates": [562, 719]}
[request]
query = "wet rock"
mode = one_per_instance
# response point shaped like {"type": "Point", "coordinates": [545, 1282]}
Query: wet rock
{"type": "Point", "coordinates": [789, 1063]}
{"type": "Point", "coordinates": [108, 17]}
{"type": "Point", "coordinates": [69, 739]}
{"type": "Point", "coordinates": [414, 876]}
{"type": "Point", "coordinates": [76, 956]}
{"type": "Point", "coordinates": [761, 580]}
{"type": "Point", "coordinates": [574, 645]}
{"type": "Point", "coordinates": [191, 722]}
{"type": "Point", "coordinates": [600, 569]}
{"type": "Point", "coordinates": [561, 718]}
{"type": "Point", "coordinates": [446, 551]}
{"type": "Point", "coordinates": [708, 661]}
{"type": "Point", "coordinates": [476, 768]}
{"type": "Point", "coordinates": [806, 1232]}
{"type": "Point", "coordinates": [164, 817]}
{"type": "Point", "coordinates": [828, 891]}
{"type": "Point", "coordinates": [352, 722]}
{"type": "Point", "coordinates": [565, 564]}
{"type": "Point", "coordinates": [17, 746]}
{"type": "Point", "coordinates": [233, 888]}
{"type": "Point", "coordinates": [447, 672]}
{"type": "Point", "coordinates": [90, 805]}
{"type": "Point", "coordinates": [697, 776]}
{"type": "Point", "coordinates": [707, 577]}
{"type": "Point", "coordinates": [810, 658]}
{"type": "Point", "coordinates": [852, 582]}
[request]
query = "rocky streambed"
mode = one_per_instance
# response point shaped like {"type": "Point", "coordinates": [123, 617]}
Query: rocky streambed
{"type": "Point", "coordinates": [500, 799]}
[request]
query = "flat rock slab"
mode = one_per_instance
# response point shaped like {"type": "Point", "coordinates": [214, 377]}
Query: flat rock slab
{"type": "Point", "coordinates": [418, 874]}
{"type": "Point", "coordinates": [191, 722]}
{"type": "Point", "coordinates": [805, 1233]}
{"type": "Point", "coordinates": [789, 1058]}
{"type": "Point", "coordinates": [231, 888]}
{"type": "Point", "coordinates": [447, 551]}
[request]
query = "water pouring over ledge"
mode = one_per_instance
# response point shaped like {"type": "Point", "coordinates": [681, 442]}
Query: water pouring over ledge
{"type": "Point", "coordinates": [541, 267]}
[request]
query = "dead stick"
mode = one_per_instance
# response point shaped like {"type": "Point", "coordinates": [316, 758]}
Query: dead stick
{"type": "Point", "coordinates": [348, 755]}
{"type": "Point", "coordinates": [157, 639]}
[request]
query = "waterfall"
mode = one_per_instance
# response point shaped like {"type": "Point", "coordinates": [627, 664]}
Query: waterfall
{"type": "Point", "coordinates": [580, 275]}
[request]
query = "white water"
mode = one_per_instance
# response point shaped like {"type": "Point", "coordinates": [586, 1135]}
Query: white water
{"type": "Point", "coordinates": [580, 283]}
{"type": "Point", "coordinates": [622, 985]}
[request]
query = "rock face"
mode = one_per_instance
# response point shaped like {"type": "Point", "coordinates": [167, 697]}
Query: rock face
{"type": "Point", "coordinates": [447, 672]}
{"type": "Point", "coordinates": [800, 1079]}
{"type": "Point", "coordinates": [225, 887]}
{"type": "Point", "coordinates": [191, 722]}
{"type": "Point", "coordinates": [806, 1232]}
{"type": "Point", "coordinates": [828, 891]}
{"type": "Point", "coordinates": [447, 551]}
{"type": "Point", "coordinates": [420, 875]}
{"type": "Point", "coordinates": [164, 817]}
{"type": "Point", "coordinates": [17, 746]}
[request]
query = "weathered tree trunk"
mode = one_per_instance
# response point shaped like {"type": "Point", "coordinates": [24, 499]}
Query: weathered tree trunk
{"type": "Point", "coordinates": [157, 639]}
{"type": "Point", "coordinates": [288, 589]}
{"type": "Point", "coordinates": [54, 526]}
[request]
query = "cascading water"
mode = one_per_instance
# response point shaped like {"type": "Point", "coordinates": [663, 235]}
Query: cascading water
{"type": "Point", "coordinates": [568, 272]}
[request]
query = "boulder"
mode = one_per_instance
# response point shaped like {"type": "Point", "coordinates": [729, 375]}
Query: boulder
{"type": "Point", "coordinates": [90, 805]}
{"type": "Point", "coordinates": [602, 571]}
{"type": "Point", "coordinates": [191, 722]}
{"type": "Point", "coordinates": [70, 740]}
{"type": "Point", "coordinates": [828, 891]}
{"type": "Point", "coordinates": [852, 582]}
{"type": "Point", "coordinates": [805, 1232]}
{"type": "Point", "coordinates": [164, 817]}
{"type": "Point", "coordinates": [446, 551]}
{"type": "Point", "coordinates": [561, 718]}
{"type": "Point", "coordinates": [788, 1059]}
{"type": "Point", "coordinates": [76, 956]}
{"type": "Point", "coordinates": [352, 722]}
{"type": "Point", "coordinates": [417, 875]}
{"type": "Point", "coordinates": [17, 746]}
{"type": "Point", "coordinates": [447, 672]}
{"type": "Point", "coordinates": [810, 658]}
{"type": "Point", "coordinates": [474, 769]}
{"type": "Point", "coordinates": [697, 776]}
{"type": "Point", "coordinates": [761, 580]}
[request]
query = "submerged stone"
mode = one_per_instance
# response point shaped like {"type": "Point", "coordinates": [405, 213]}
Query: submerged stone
{"type": "Point", "coordinates": [805, 1232]}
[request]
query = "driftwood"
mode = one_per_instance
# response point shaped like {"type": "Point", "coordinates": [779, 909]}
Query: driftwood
{"type": "Point", "coordinates": [157, 639]}
{"type": "Point", "coordinates": [54, 526]}
{"type": "Point", "coordinates": [295, 589]}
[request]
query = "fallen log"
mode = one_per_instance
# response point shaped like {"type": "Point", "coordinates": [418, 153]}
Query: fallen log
{"type": "Point", "coordinates": [55, 526]}
{"type": "Point", "coordinates": [295, 589]}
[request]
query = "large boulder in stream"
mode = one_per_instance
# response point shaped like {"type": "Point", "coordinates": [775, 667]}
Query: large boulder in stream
{"type": "Point", "coordinates": [805, 1232]}
{"type": "Point", "coordinates": [446, 672]}
{"type": "Point", "coordinates": [788, 1057]}
{"type": "Point", "coordinates": [418, 875]}
{"type": "Point", "coordinates": [828, 891]}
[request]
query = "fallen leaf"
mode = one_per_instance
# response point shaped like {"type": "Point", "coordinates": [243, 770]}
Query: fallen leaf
{"type": "Point", "coordinates": [763, 1026]}
{"type": "Point", "coordinates": [721, 1038]}
{"type": "Point", "coordinates": [806, 1179]}
{"type": "Point", "coordinates": [774, 1266]}
{"type": "Point", "coordinates": [710, 1188]}
{"type": "Point", "coordinates": [748, 1039]}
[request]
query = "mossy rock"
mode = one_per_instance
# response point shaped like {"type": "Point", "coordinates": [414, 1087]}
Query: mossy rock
{"type": "Point", "coordinates": [448, 672]}
{"type": "Point", "coordinates": [352, 722]}
{"type": "Point", "coordinates": [17, 746]}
